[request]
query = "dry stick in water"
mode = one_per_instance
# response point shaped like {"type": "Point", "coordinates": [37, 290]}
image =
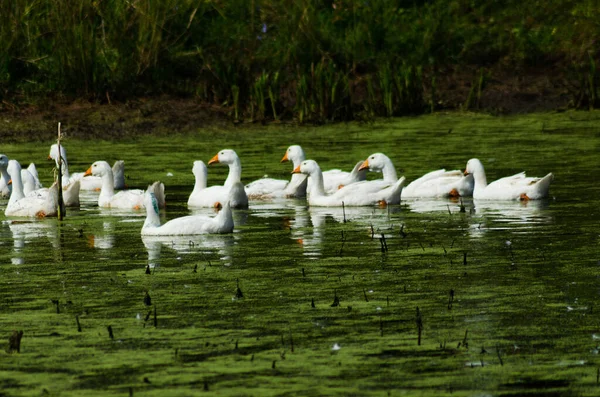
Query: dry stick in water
{"type": "Point", "coordinates": [336, 300]}
{"type": "Point", "coordinates": [343, 242]}
{"type": "Point", "coordinates": [238, 291]}
{"type": "Point", "coordinates": [451, 299]}
{"type": "Point", "coordinates": [55, 301]}
{"type": "Point", "coordinates": [61, 203]}
{"type": "Point", "coordinates": [419, 321]}
{"type": "Point", "coordinates": [14, 342]}
{"type": "Point", "coordinates": [502, 362]}
{"type": "Point", "coordinates": [78, 325]}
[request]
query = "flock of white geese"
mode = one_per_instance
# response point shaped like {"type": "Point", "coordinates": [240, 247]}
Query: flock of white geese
{"type": "Point", "coordinates": [330, 188]}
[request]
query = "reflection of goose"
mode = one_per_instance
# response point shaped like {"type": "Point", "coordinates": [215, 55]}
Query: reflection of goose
{"type": "Point", "coordinates": [105, 240]}
{"type": "Point", "coordinates": [27, 231]}
{"type": "Point", "coordinates": [125, 199]}
{"type": "Point", "coordinates": [356, 194]}
{"type": "Point", "coordinates": [203, 196]}
{"type": "Point", "coordinates": [439, 183]}
{"type": "Point", "coordinates": [513, 187]}
{"type": "Point", "coordinates": [205, 243]}
{"type": "Point", "coordinates": [272, 188]}
{"type": "Point", "coordinates": [507, 215]}
{"type": "Point", "coordinates": [185, 225]}
{"type": "Point", "coordinates": [90, 182]}
{"type": "Point", "coordinates": [30, 206]}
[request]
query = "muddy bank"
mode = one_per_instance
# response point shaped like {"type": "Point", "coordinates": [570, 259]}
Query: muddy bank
{"type": "Point", "coordinates": [502, 92]}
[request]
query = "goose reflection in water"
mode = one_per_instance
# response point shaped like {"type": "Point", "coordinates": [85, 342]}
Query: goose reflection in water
{"type": "Point", "coordinates": [308, 226]}
{"type": "Point", "coordinates": [24, 232]}
{"type": "Point", "coordinates": [519, 217]}
{"type": "Point", "coordinates": [221, 244]}
{"type": "Point", "coordinates": [487, 215]}
{"type": "Point", "coordinates": [105, 239]}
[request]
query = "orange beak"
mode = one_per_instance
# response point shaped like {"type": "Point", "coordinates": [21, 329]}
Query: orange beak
{"type": "Point", "coordinates": [365, 165]}
{"type": "Point", "coordinates": [285, 158]}
{"type": "Point", "coordinates": [296, 170]}
{"type": "Point", "coordinates": [466, 172]}
{"type": "Point", "coordinates": [9, 181]}
{"type": "Point", "coordinates": [49, 158]}
{"type": "Point", "coordinates": [88, 172]}
{"type": "Point", "coordinates": [215, 159]}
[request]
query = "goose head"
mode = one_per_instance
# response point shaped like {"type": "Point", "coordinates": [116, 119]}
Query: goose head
{"type": "Point", "coordinates": [14, 169]}
{"type": "Point", "coordinates": [225, 156]}
{"type": "Point", "coordinates": [3, 161]}
{"type": "Point", "coordinates": [307, 167]}
{"type": "Point", "coordinates": [375, 162]}
{"type": "Point", "coordinates": [295, 154]}
{"type": "Point", "coordinates": [53, 154]}
{"type": "Point", "coordinates": [199, 169]}
{"type": "Point", "coordinates": [99, 168]}
{"type": "Point", "coordinates": [474, 167]}
{"type": "Point", "coordinates": [150, 201]}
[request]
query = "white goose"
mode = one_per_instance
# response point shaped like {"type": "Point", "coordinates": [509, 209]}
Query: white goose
{"type": "Point", "coordinates": [438, 183]}
{"type": "Point", "coordinates": [90, 182]}
{"type": "Point", "coordinates": [5, 187]}
{"type": "Point", "coordinates": [32, 169]}
{"type": "Point", "coordinates": [515, 187]}
{"type": "Point", "coordinates": [336, 179]}
{"type": "Point", "coordinates": [357, 194]}
{"type": "Point", "coordinates": [30, 206]}
{"type": "Point", "coordinates": [185, 225]}
{"type": "Point", "coordinates": [203, 196]}
{"type": "Point", "coordinates": [70, 192]}
{"type": "Point", "coordinates": [125, 199]}
{"type": "Point", "coordinates": [266, 188]}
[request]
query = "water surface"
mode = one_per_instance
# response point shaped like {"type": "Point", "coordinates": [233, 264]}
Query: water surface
{"type": "Point", "coordinates": [307, 301]}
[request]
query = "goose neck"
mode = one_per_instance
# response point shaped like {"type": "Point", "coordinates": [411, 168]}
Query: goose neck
{"type": "Point", "coordinates": [389, 172]}
{"type": "Point", "coordinates": [235, 173]}
{"type": "Point", "coordinates": [108, 188]}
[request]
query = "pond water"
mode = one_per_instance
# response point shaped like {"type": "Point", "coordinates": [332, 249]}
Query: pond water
{"type": "Point", "coordinates": [305, 301]}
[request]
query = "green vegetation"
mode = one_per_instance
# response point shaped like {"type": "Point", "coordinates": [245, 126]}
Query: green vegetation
{"type": "Point", "coordinates": [309, 60]}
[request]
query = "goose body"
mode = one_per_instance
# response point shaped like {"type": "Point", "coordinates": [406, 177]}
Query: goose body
{"type": "Point", "coordinates": [335, 179]}
{"type": "Point", "coordinates": [124, 199]}
{"type": "Point", "coordinates": [30, 188]}
{"type": "Point", "coordinates": [203, 196]}
{"type": "Point", "coordinates": [29, 206]}
{"type": "Point", "coordinates": [89, 182]}
{"type": "Point", "coordinates": [357, 194]}
{"type": "Point", "coordinates": [515, 187]}
{"type": "Point", "coordinates": [266, 188]}
{"type": "Point", "coordinates": [438, 183]}
{"type": "Point", "coordinates": [185, 225]}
